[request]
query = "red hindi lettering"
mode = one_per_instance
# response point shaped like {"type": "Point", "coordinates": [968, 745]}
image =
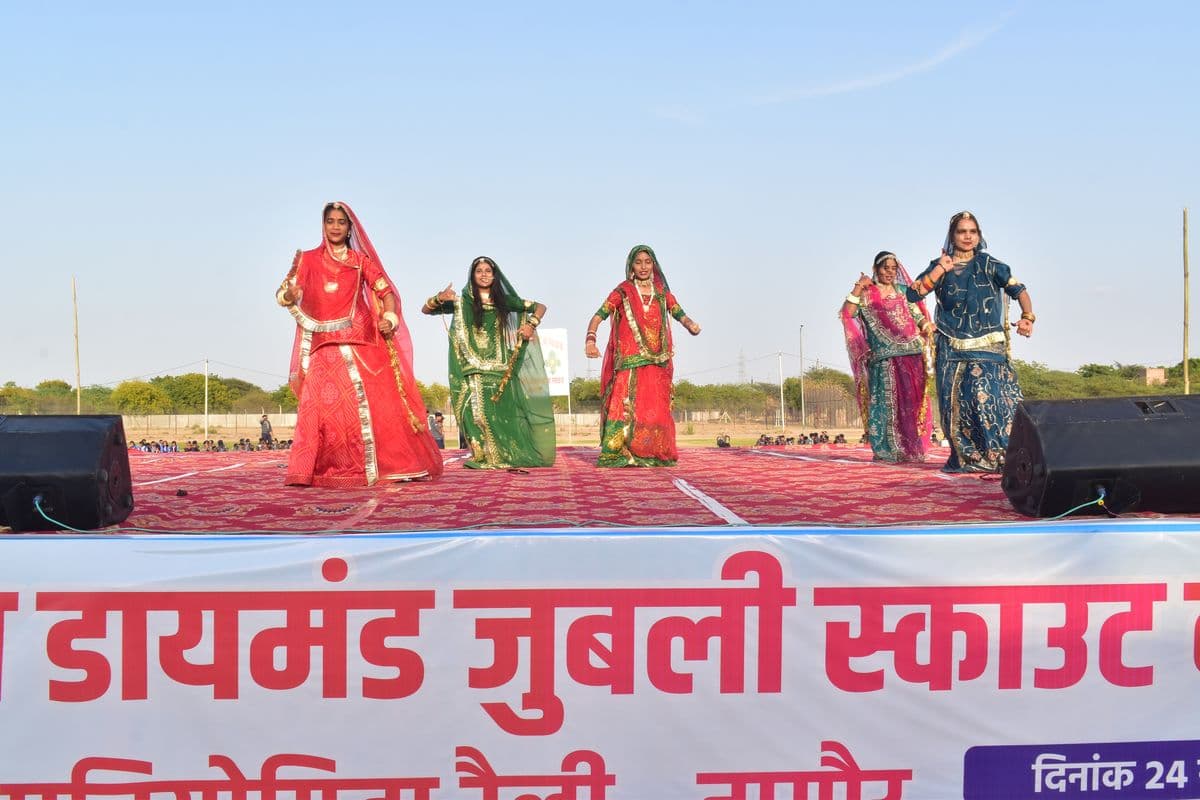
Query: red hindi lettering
{"type": "Point", "coordinates": [505, 634]}
{"type": "Point", "coordinates": [8, 602]}
{"type": "Point", "coordinates": [297, 638]}
{"type": "Point", "coordinates": [1191, 591]}
{"type": "Point", "coordinates": [942, 621]}
{"type": "Point", "coordinates": [584, 638]}
{"type": "Point", "coordinates": [476, 772]}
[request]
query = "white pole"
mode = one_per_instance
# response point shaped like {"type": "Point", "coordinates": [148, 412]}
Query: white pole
{"type": "Point", "coordinates": [75, 310]}
{"type": "Point", "coordinates": [206, 399]}
{"type": "Point", "coordinates": [782, 415]}
{"type": "Point", "coordinates": [1187, 380]}
{"type": "Point", "coordinates": [803, 415]}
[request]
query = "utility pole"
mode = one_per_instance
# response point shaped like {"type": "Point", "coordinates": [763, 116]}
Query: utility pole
{"type": "Point", "coordinates": [75, 310]}
{"type": "Point", "coordinates": [803, 415]}
{"type": "Point", "coordinates": [1187, 381]}
{"type": "Point", "coordinates": [782, 413]}
{"type": "Point", "coordinates": [206, 399]}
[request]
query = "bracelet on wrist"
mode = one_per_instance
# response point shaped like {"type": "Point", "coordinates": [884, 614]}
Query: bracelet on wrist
{"type": "Point", "coordinates": [853, 299]}
{"type": "Point", "coordinates": [1029, 315]}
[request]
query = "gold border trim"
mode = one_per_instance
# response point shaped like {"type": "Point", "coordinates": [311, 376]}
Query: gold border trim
{"type": "Point", "coordinates": [305, 350]}
{"type": "Point", "coordinates": [370, 465]}
{"type": "Point", "coordinates": [979, 342]}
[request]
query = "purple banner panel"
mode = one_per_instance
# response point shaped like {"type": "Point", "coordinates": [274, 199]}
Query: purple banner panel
{"type": "Point", "coordinates": [1159, 770]}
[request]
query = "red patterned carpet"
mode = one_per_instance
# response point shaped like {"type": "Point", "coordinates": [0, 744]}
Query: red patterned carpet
{"type": "Point", "coordinates": [233, 492]}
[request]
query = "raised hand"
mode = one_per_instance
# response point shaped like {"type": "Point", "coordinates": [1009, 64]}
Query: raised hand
{"type": "Point", "coordinates": [946, 262]}
{"type": "Point", "coordinates": [861, 284]}
{"type": "Point", "coordinates": [292, 292]}
{"type": "Point", "coordinates": [448, 294]}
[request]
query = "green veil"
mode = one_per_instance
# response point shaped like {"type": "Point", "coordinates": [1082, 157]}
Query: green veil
{"type": "Point", "coordinates": [645, 248]}
{"type": "Point", "coordinates": [523, 396]}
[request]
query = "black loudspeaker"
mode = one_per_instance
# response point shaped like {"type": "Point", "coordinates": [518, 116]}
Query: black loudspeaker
{"type": "Point", "coordinates": [1142, 453]}
{"type": "Point", "coordinates": [75, 468]}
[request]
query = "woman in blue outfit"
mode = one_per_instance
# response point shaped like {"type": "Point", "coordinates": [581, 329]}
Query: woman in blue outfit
{"type": "Point", "coordinates": [977, 387]}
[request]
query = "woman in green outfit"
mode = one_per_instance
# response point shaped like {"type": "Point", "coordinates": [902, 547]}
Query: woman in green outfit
{"type": "Point", "coordinates": [498, 385]}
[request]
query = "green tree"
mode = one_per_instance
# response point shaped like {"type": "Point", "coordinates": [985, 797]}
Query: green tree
{"type": "Point", "coordinates": [585, 391]}
{"type": "Point", "coordinates": [139, 397]}
{"type": "Point", "coordinates": [255, 401]}
{"type": "Point", "coordinates": [688, 396]}
{"type": "Point", "coordinates": [1113, 386]}
{"type": "Point", "coordinates": [436, 396]}
{"type": "Point", "coordinates": [1092, 370]}
{"type": "Point", "coordinates": [285, 398]}
{"type": "Point", "coordinates": [55, 397]}
{"type": "Point", "coordinates": [17, 400]}
{"type": "Point", "coordinates": [238, 388]}
{"type": "Point", "coordinates": [54, 389]}
{"type": "Point", "coordinates": [187, 393]}
{"type": "Point", "coordinates": [97, 400]}
{"type": "Point", "coordinates": [1132, 372]}
{"type": "Point", "coordinates": [1039, 382]}
{"type": "Point", "coordinates": [831, 377]}
{"type": "Point", "coordinates": [1193, 370]}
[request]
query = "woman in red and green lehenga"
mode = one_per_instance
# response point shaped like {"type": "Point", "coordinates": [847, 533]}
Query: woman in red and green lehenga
{"type": "Point", "coordinates": [636, 426]}
{"type": "Point", "coordinates": [498, 385]}
{"type": "Point", "coordinates": [360, 417]}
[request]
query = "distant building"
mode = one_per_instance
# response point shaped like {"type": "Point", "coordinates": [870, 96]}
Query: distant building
{"type": "Point", "coordinates": [1155, 376]}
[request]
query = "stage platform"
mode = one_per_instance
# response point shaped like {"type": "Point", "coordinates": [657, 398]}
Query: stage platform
{"type": "Point", "coordinates": [748, 617]}
{"type": "Point", "coordinates": [828, 485]}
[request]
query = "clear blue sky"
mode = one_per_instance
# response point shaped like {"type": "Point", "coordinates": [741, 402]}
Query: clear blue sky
{"type": "Point", "coordinates": [174, 156]}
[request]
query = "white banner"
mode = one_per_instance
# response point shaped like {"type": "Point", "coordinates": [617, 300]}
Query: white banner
{"type": "Point", "coordinates": [554, 351]}
{"type": "Point", "coordinates": [646, 665]}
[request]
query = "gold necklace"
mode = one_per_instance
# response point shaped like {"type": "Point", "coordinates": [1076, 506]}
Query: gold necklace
{"type": "Point", "coordinates": [646, 300]}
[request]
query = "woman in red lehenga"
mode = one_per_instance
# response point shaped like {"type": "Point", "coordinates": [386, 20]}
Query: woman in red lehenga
{"type": "Point", "coordinates": [636, 426]}
{"type": "Point", "coordinates": [360, 418]}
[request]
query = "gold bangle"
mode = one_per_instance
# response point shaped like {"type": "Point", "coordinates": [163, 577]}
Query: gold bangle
{"type": "Point", "coordinates": [1029, 315]}
{"type": "Point", "coordinates": [533, 321]}
{"type": "Point", "coordinates": [279, 295]}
